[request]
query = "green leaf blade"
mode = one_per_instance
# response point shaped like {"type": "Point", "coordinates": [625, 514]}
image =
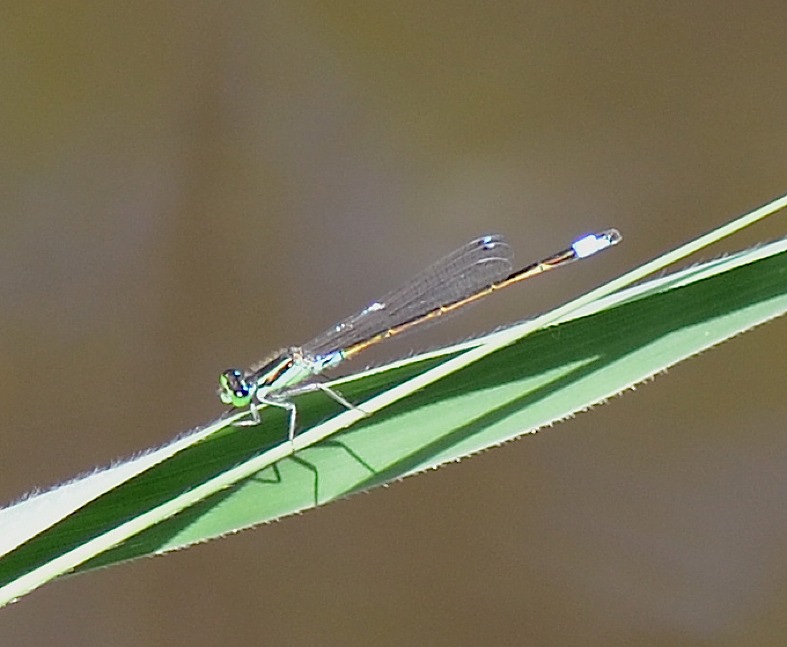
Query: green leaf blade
{"type": "Point", "coordinates": [428, 410]}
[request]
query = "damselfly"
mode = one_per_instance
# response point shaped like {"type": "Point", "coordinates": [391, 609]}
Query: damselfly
{"type": "Point", "coordinates": [473, 271]}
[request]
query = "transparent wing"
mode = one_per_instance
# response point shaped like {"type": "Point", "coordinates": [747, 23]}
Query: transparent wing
{"type": "Point", "coordinates": [470, 268]}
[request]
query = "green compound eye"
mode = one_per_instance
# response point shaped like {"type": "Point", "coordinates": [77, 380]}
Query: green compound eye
{"type": "Point", "coordinates": [233, 389]}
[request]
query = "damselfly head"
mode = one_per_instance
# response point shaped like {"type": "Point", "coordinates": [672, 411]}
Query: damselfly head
{"type": "Point", "coordinates": [234, 388]}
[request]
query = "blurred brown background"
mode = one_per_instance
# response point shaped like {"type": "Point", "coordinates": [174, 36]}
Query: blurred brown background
{"type": "Point", "coordinates": [187, 186]}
